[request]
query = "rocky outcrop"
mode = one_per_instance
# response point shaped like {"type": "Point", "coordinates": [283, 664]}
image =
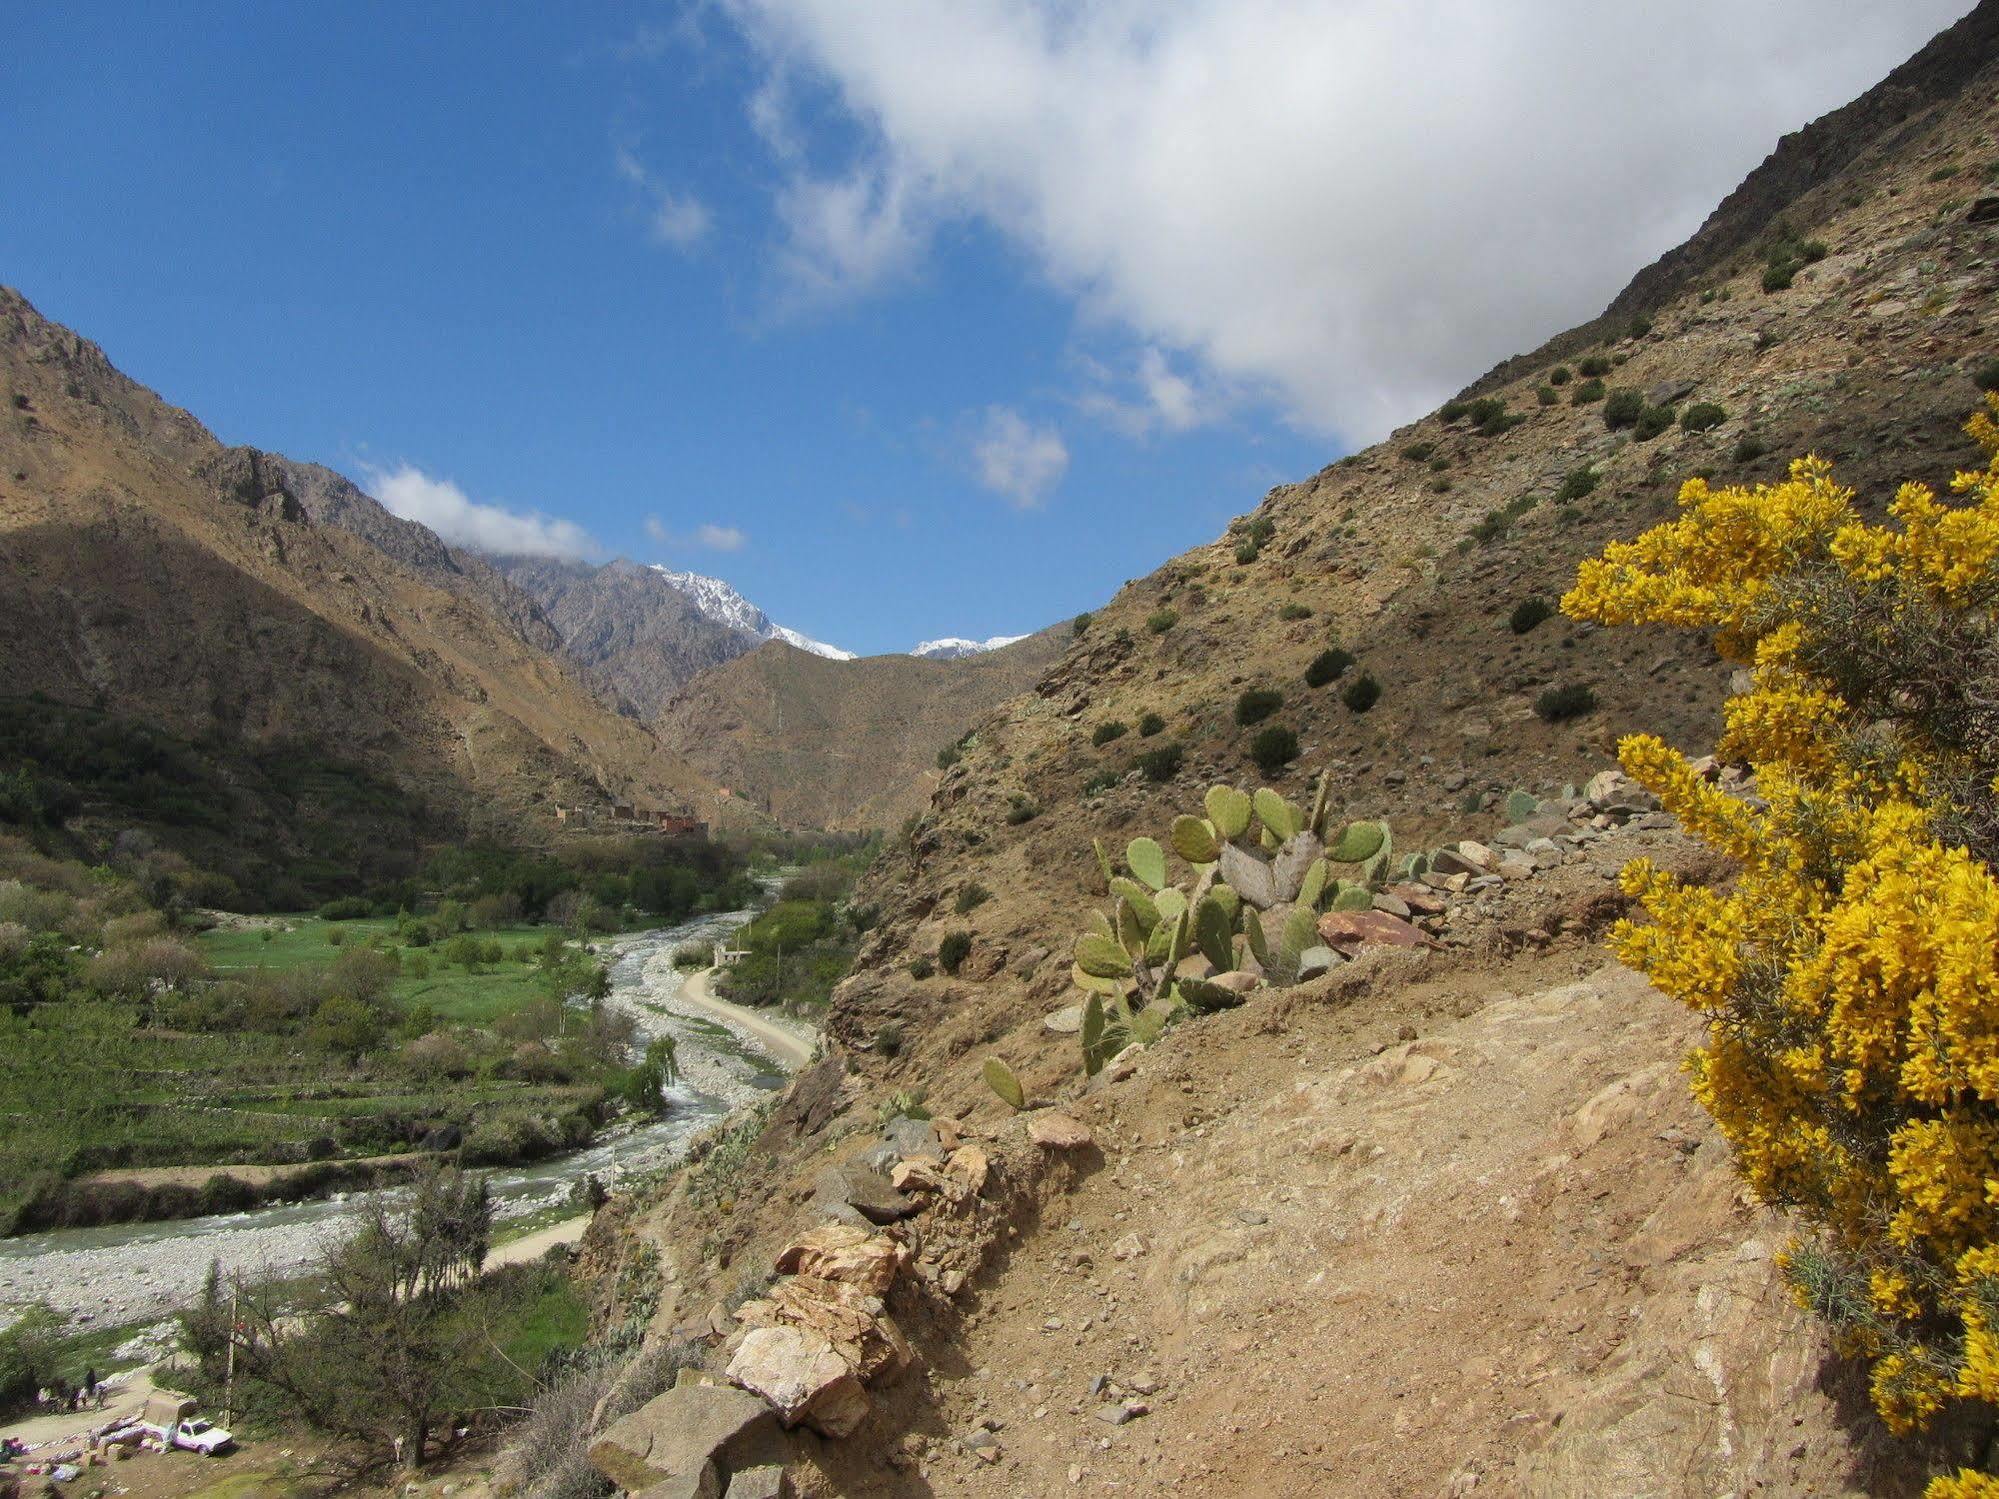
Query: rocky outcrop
{"type": "Point", "coordinates": [696, 1441]}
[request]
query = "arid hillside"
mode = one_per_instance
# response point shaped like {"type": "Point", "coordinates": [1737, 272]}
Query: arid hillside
{"type": "Point", "coordinates": [150, 576]}
{"type": "Point", "coordinates": [842, 744]}
{"type": "Point", "coordinates": [1443, 1219]}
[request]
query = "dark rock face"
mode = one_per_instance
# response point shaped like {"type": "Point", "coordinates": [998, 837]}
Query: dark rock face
{"type": "Point", "coordinates": [636, 636]}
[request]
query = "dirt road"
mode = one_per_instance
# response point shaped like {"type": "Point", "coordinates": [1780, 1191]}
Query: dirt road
{"type": "Point", "coordinates": [790, 1047]}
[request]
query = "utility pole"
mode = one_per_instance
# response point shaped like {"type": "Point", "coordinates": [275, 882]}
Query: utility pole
{"type": "Point", "coordinates": [229, 1365]}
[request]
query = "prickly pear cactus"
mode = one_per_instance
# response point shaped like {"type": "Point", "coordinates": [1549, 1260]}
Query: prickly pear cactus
{"type": "Point", "coordinates": [999, 1077]}
{"type": "Point", "coordinates": [1188, 912]}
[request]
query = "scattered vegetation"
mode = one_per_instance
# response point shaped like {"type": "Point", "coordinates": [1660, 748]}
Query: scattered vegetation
{"type": "Point", "coordinates": [1498, 522]}
{"type": "Point", "coordinates": [1254, 704]}
{"type": "Point", "coordinates": [1702, 416]}
{"type": "Point", "coordinates": [1785, 256]}
{"type": "Point", "coordinates": [1622, 408]}
{"type": "Point", "coordinates": [1328, 666]}
{"type": "Point", "coordinates": [970, 897]}
{"type": "Point", "coordinates": [1080, 625]}
{"type": "Point", "coordinates": [1749, 448]}
{"type": "Point", "coordinates": [1594, 367]}
{"type": "Point", "coordinates": [1273, 748]}
{"type": "Point", "coordinates": [953, 950]}
{"type": "Point", "coordinates": [1651, 422]}
{"type": "Point", "coordinates": [1578, 483]}
{"type": "Point", "coordinates": [1419, 452]}
{"type": "Point", "coordinates": [1986, 376]}
{"type": "Point", "coordinates": [1560, 704]}
{"type": "Point", "coordinates": [1527, 614]}
{"type": "Point", "coordinates": [1586, 393]}
{"type": "Point", "coordinates": [1107, 731]}
{"type": "Point", "coordinates": [948, 756]}
{"type": "Point", "coordinates": [1150, 724]}
{"type": "Point", "coordinates": [1362, 693]}
{"type": "Point", "coordinates": [1162, 620]}
{"type": "Point", "coordinates": [1162, 764]}
{"type": "Point", "coordinates": [1294, 612]}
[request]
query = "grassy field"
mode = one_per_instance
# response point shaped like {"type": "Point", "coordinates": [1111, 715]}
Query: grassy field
{"type": "Point", "coordinates": [475, 997]}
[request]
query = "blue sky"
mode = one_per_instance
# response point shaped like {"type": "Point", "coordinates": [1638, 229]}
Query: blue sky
{"type": "Point", "coordinates": [907, 320]}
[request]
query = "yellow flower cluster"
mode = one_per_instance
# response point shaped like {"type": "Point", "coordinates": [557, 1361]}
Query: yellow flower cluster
{"type": "Point", "coordinates": [1850, 978]}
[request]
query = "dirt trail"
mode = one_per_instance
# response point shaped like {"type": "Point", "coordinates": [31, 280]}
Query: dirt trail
{"type": "Point", "coordinates": [790, 1048]}
{"type": "Point", "coordinates": [1508, 1254]}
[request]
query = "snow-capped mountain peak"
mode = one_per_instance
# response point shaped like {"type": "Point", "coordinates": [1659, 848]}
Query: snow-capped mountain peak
{"type": "Point", "coordinates": [721, 603]}
{"type": "Point", "coordinates": [951, 647]}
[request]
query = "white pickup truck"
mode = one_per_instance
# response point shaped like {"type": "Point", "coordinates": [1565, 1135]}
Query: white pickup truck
{"type": "Point", "coordinates": [170, 1420]}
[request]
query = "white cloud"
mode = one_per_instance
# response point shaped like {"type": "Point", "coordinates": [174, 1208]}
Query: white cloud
{"type": "Point", "coordinates": [1353, 207]}
{"type": "Point", "coordinates": [676, 220]}
{"type": "Point", "coordinates": [1017, 459]}
{"type": "Point", "coordinates": [1155, 397]}
{"type": "Point", "coordinates": [713, 537]}
{"type": "Point", "coordinates": [720, 538]}
{"type": "Point", "coordinates": [441, 505]}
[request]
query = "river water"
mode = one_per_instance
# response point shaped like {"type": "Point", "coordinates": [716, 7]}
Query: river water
{"type": "Point", "coordinates": [138, 1272]}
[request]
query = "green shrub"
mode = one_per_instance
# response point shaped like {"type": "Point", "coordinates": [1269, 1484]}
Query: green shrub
{"type": "Point", "coordinates": [1162, 620]}
{"type": "Point", "coordinates": [1106, 731]}
{"type": "Point", "coordinates": [921, 968]}
{"type": "Point", "coordinates": [1547, 395]}
{"type": "Point", "coordinates": [1362, 693]}
{"type": "Point", "coordinates": [1702, 416]}
{"type": "Point", "coordinates": [347, 908]}
{"type": "Point", "coordinates": [970, 897]}
{"type": "Point", "coordinates": [1576, 483]}
{"type": "Point", "coordinates": [1986, 376]}
{"type": "Point", "coordinates": [1246, 552]}
{"type": "Point", "coordinates": [1450, 411]}
{"type": "Point", "coordinates": [888, 1043]}
{"type": "Point", "coordinates": [1587, 392]}
{"type": "Point", "coordinates": [1080, 625]}
{"type": "Point", "coordinates": [1161, 764]}
{"type": "Point", "coordinates": [1779, 275]}
{"type": "Point", "coordinates": [1419, 452]}
{"type": "Point", "coordinates": [953, 950]}
{"type": "Point", "coordinates": [1559, 704]}
{"type": "Point", "coordinates": [1559, 375]}
{"type": "Point", "coordinates": [1748, 449]}
{"type": "Point", "coordinates": [1021, 809]}
{"type": "Point", "coordinates": [1594, 366]}
{"type": "Point", "coordinates": [1327, 666]}
{"type": "Point", "coordinates": [1944, 173]}
{"type": "Point", "coordinates": [1294, 611]}
{"type": "Point", "coordinates": [1640, 326]}
{"type": "Point", "coordinates": [1256, 704]}
{"type": "Point", "coordinates": [1651, 422]}
{"type": "Point", "coordinates": [1622, 408]}
{"type": "Point", "coordinates": [1529, 613]}
{"type": "Point", "coordinates": [1498, 522]}
{"type": "Point", "coordinates": [948, 756]}
{"type": "Point", "coordinates": [1785, 256]}
{"type": "Point", "coordinates": [1101, 781]}
{"type": "Point", "coordinates": [1149, 725]}
{"type": "Point", "coordinates": [1273, 748]}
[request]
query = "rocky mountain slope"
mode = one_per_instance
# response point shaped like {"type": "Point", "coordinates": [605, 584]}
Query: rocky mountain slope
{"type": "Point", "coordinates": [150, 575]}
{"type": "Point", "coordinates": [1444, 1219]}
{"type": "Point", "coordinates": [842, 744]}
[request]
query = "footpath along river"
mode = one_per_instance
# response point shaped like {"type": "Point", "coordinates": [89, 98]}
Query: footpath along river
{"type": "Point", "coordinates": [140, 1272]}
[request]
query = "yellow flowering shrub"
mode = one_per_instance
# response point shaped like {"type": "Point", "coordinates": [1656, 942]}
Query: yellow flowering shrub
{"type": "Point", "coordinates": [1850, 979]}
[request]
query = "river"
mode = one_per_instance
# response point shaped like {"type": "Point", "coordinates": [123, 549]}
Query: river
{"type": "Point", "coordinates": [139, 1272]}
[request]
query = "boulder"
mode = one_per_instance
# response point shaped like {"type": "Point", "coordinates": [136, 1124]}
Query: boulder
{"type": "Point", "coordinates": [1314, 961]}
{"type": "Point", "coordinates": [802, 1374]}
{"type": "Point", "coordinates": [1237, 981]}
{"type": "Point", "coordinates": [1249, 877]}
{"type": "Point", "coordinates": [1668, 392]}
{"type": "Point", "coordinates": [912, 1137]}
{"type": "Point", "coordinates": [1351, 928]}
{"type": "Point", "coordinates": [1393, 904]}
{"type": "Point", "coordinates": [768, 1481]}
{"type": "Point", "coordinates": [1066, 1021]}
{"type": "Point", "coordinates": [837, 1252]}
{"type": "Point", "coordinates": [1057, 1131]}
{"type": "Point", "coordinates": [863, 1189]}
{"type": "Point", "coordinates": [970, 1164]}
{"type": "Point", "coordinates": [686, 1443]}
{"type": "Point", "coordinates": [1446, 862]}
